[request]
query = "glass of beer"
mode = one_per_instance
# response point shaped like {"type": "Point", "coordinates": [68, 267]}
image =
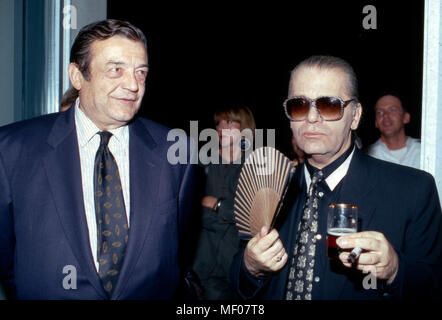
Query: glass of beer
{"type": "Point", "coordinates": [342, 220]}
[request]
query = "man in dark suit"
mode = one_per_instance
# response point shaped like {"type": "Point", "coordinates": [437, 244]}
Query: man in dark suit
{"type": "Point", "coordinates": [90, 206]}
{"type": "Point", "coordinates": [399, 209]}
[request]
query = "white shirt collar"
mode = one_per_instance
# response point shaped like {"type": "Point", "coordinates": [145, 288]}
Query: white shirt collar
{"type": "Point", "coordinates": [336, 176]}
{"type": "Point", "coordinates": [87, 128]}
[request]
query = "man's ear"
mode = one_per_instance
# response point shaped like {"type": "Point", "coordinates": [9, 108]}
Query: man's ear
{"type": "Point", "coordinates": [75, 76]}
{"type": "Point", "coordinates": [357, 114]}
{"type": "Point", "coordinates": [406, 118]}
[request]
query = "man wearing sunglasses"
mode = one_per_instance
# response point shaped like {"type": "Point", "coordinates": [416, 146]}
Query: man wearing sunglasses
{"type": "Point", "coordinates": [399, 210]}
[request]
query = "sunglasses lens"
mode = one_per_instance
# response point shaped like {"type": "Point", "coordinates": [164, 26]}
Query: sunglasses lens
{"type": "Point", "coordinates": [329, 108]}
{"type": "Point", "coordinates": [297, 108]}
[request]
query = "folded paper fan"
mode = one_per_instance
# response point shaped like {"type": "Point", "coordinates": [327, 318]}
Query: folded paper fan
{"type": "Point", "coordinates": [262, 184]}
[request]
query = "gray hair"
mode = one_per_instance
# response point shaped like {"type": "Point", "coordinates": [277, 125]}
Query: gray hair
{"type": "Point", "coordinates": [330, 62]}
{"type": "Point", "coordinates": [101, 30]}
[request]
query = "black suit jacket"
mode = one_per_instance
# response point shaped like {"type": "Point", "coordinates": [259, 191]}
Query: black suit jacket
{"type": "Point", "coordinates": [400, 202]}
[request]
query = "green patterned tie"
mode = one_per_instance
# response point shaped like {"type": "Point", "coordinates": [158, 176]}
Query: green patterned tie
{"type": "Point", "coordinates": [112, 226]}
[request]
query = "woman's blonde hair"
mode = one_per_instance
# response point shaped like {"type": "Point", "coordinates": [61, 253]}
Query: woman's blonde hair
{"type": "Point", "coordinates": [241, 114]}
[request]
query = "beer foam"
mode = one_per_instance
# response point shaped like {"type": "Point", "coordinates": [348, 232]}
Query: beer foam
{"type": "Point", "coordinates": [339, 232]}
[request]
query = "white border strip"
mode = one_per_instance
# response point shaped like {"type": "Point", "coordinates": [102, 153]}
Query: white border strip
{"type": "Point", "coordinates": [431, 150]}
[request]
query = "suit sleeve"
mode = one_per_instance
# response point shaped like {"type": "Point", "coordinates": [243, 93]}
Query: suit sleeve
{"type": "Point", "coordinates": [243, 282]}
{"type": "Point", "coordinates": [7, 240]}
{"type": "Point", "coordinates": [420, 262]}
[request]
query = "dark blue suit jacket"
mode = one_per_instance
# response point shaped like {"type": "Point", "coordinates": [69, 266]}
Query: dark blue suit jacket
{"type": "Point", "coordinates": [400, 202]}
{"type": "Point", "coordinates": [42, 219]}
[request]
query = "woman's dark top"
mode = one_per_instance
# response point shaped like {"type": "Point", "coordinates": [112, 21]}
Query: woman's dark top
{"type": "Point", "coordinates": [218, 240]}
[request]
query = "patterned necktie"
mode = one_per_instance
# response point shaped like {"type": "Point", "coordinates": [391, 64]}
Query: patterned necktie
{"type": "Point", "coordinates": [112, 226]}
{"type": "Point", "coordinates": [300, 281]}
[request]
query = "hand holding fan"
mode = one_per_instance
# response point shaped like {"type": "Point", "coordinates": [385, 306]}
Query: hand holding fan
{"type": "Point", "coordinates": [262, 184]}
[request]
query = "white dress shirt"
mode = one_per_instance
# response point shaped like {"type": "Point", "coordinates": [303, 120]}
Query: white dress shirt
{"type": "Point", "coordinates": [88, 143]}
{"type": "Point", "coordinates": [335, 177]}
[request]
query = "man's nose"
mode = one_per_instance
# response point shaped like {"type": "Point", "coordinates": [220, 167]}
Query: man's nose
{"type": "Point", "coordinates": [313, 114]}
{"type": "Point", "coordinates": [386, 115]}
{"type": "Point", "coordinates": [130, 82]}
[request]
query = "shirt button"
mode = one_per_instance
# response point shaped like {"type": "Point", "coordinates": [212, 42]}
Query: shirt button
{"type": "Point", "coordinates": [317, 279]}
{"type": "Point", "coordinates": [321, 194]}
{"type": "Point", "coordinates": [318, 237]}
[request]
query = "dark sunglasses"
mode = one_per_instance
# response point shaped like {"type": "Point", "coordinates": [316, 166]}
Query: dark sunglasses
{"type": "Point", "coordinates": [329, 108]}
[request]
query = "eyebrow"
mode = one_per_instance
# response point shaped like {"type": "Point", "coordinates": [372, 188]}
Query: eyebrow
{"type": "Point", "coordinates": [116, 62]}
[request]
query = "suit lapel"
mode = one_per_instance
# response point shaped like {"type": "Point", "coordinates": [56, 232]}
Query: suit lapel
{"type": "Point", "coordinates": [144, 180]}
{"type": "Point", "coordinates": [62, 165]}
{"type": "Point", "coordinates": [357, 184]}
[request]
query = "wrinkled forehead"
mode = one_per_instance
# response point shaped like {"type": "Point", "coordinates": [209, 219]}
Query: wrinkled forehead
{"type": "Point", "coordinates": [118, 47]}
{"type": "Point", "coordinates": [314, 82]}
{"type": "Point", "coordinates": [388, 101]}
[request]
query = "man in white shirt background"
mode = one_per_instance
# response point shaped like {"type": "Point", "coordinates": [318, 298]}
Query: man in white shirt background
{"type": "Point", "coordinates": [394, 145]}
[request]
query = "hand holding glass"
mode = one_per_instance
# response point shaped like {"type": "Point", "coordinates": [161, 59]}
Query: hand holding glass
{"type": "Point", "coordinates": [341, 221]}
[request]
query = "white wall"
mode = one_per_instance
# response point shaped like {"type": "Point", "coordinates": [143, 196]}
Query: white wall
{"type": "Point", "coordinates": [431, 155]}
{"type": "Point", "coordinates": [87, 12]}
{"type": "Point", "coordinates": [83, 12]}
{"type": "Point", "coordinates": [7, 61]}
